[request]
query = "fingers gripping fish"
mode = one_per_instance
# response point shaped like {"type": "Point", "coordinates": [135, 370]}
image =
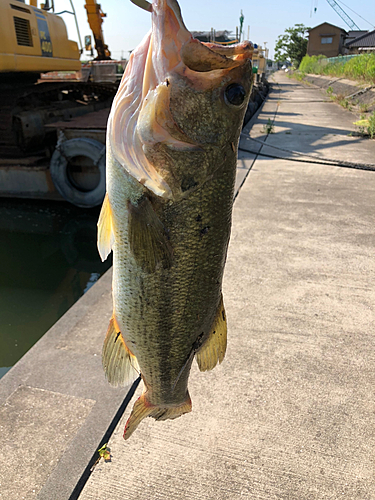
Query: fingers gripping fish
{"type": "Point", "coordinates": [172, 142]}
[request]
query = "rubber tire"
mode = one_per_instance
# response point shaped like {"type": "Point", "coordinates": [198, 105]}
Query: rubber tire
{"type": "Point", "coordinates": [81, 146]}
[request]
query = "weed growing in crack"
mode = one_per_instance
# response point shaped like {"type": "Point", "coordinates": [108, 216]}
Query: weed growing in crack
{"type": "Point", "coordinates": [363, 107]}
{"type": "Point", "coordinates": [269, 127]}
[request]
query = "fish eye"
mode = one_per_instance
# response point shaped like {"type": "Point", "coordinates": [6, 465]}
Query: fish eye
{"type": "Point", "coordinates": [235, 94]}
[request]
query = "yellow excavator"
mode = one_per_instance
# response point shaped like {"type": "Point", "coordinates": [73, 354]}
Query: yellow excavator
{"type": "Point", "coordinates": [34, 40]}
{"type": "Point", "coordinates": [35, 110]}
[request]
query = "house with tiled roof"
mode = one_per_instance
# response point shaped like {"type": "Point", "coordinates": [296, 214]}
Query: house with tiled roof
{"type": "Point", "coordinates": [362, 44]}
{"type": "Point", "coordinates": [352, 35]}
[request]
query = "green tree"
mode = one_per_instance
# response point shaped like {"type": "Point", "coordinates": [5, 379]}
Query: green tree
{"type": "Point", "coordinates": [292, 45]}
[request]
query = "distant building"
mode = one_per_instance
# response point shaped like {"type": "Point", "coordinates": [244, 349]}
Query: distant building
{"type": "Point", "coordinates": [272, 65]}
{"type": "Point", "coordinates": [326, 39]}
{"type": "Point", "coordinates": [213, 35]}
{"type": "Point", "coordinates": [352, 35]}
{"type": "Point", "coordinates": [361, 44]}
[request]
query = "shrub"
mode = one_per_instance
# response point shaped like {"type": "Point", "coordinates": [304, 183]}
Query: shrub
{"type": "Point", "coordinates": [371, 125]}
{"type": "Point", "coordinates": [313, 64]}
{"type": "Point", "coordinates": [361, 67]}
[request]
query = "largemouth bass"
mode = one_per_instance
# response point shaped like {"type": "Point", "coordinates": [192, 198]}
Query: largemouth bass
{"type": "Point", "coordinates": [172, 142]}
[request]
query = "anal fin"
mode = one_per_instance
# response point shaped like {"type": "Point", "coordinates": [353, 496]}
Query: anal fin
{"type": "Point", "coordinates": [142, 409]}
{"type": "Point", "coordinates": [213, 350]}
{"type": "Point", "coordinates": [105, 230]}
{"type": "Point", "coordinates": [120, 365]}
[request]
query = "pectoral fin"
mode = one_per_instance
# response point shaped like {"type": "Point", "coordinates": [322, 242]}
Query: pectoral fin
{"type": "Point", "coordinates": [213, 350]}
{"type": "Point", "coordinates": [120, 365]}
{"type": "Point", "coordinates": [148, 238]}
{"type": "Point", "coordinates": [105, 230]}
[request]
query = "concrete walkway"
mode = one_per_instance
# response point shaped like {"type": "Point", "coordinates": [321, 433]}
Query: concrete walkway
{"type": "Point", "coordinates": [290, 413]}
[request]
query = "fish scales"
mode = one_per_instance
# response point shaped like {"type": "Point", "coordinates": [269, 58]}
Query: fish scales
{"type": "Point", "coordinates": [174, 307]}
{"type": "Point", "coordinates": [172, 144]}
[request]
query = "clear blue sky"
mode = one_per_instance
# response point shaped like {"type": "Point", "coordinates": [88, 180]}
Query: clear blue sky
{"type": "Point", "coordinates": [126, 24]}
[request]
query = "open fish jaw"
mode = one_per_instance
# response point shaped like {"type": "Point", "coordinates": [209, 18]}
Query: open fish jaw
{"type": "Point", "coordinates": [168, 51]}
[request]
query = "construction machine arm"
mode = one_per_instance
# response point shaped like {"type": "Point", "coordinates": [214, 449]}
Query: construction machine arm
{"type": "Point", "coordinates": [95, 18]}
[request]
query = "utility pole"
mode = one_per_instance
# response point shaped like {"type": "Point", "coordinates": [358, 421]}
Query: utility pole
{"type": "Point", "coordinates": [242, 18]}
{"type": "Point", "coordinates": [265, 50]}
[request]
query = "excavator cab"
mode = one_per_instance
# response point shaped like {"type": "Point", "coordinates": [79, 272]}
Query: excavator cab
{"type": "Point", "coordinates": [34, 40]}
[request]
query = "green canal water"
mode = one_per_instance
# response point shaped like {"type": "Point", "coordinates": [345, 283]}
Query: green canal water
{"type": "Point", "coordinates": [48, 260]}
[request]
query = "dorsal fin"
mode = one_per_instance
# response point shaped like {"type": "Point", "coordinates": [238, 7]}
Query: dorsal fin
{"type": "Point", "coordinates": [106, 236]}
{"type": "Point", "coordinates": [213, 350]}
{"type": "Point", "coordinates": [120, 365]}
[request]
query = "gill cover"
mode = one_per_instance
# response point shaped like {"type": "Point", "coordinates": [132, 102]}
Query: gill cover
{"type": "Point", "coordinates": [148, 67]}
{"type": "Point", "coordinates": [140, 116]}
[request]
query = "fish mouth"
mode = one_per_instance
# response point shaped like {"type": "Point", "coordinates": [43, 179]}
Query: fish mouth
{"type": "Point", "coordinates": [173, 45]}
{"type": "Point", "coordinates": [203, 57]}
{"type": "Point", "coordinates": [140, 114]}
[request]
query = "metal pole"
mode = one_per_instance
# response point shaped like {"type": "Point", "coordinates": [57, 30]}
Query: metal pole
{"type": "Point", "coordinates": [75, 18]}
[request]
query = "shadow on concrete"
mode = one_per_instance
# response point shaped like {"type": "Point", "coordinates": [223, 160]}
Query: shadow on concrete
{"type": "Point", "coordinates": [306, 135]}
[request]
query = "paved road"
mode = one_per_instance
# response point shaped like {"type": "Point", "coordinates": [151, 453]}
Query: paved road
{"type": "Point", "coordinates": [290, 413]}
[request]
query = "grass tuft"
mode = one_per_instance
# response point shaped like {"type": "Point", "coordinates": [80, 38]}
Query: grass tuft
{"type": "Point", "coordinates": [371, 125]}
{"type": "Point", "coordinates": [361, 67]}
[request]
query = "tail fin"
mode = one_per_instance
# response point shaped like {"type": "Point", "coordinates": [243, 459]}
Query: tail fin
{"type": "Point", "coordinates": [142, 409]}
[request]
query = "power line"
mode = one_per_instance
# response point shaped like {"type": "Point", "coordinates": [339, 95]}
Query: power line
{"type": "Point", "coordinates": [347, 6]}
{"type": "Point", "coordinates": [344, 16]}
